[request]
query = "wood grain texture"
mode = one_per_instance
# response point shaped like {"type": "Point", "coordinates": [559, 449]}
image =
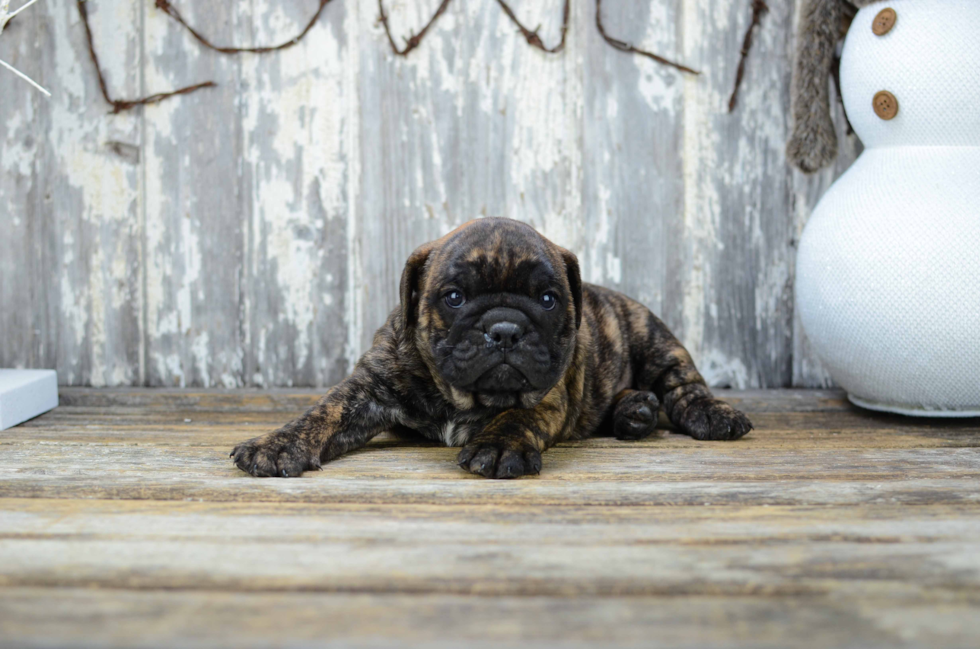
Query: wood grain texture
{"type": "Point", "coordinates": [122, 523]}
{"type": "Point", "coordinates": [509, 550]}
{"type": "Point", "coordinates": [252, 234]}
{"type": "Point", "coordinates": [38, 617]}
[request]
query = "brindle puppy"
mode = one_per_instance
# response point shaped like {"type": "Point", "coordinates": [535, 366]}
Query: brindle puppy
{"type": "Point", "coordinates": [498, 347]}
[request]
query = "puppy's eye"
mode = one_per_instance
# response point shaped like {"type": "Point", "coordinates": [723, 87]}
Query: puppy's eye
{"type": "Point", "coordinates": [455, 299]}
{"type": "Point", "coordinates": [548, 300]}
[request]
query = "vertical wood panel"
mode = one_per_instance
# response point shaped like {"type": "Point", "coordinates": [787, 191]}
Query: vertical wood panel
{"type": "Point", "coordinates": [296, 173]}
{"type": "Point", "coordinates": [633, 184]}
{"type": "Point", "coordinates": [21, 290]}
{"type": "Point", "coordinates": [196, 209]}
{"type": "Point", "coordinates": [736, 276]}
{"type": "Point", "coordinates": [80, 259]}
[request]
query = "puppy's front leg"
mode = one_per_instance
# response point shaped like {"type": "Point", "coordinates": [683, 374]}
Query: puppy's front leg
{"type": "Point", "coordinates": [511, 444]}
{"type": "Point", "coordinates": [346, 418]}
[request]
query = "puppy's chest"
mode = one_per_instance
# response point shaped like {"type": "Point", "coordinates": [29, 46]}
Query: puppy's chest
{"type": "Point", "coordinates": [441, 422]}
{"type": "Point", "coordinates": [451, 431]}
{"type": "Point", "coordinates": [454, 433]}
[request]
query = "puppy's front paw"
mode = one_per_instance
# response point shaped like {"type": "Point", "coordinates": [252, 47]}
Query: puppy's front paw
{"type": "Point", "coordinates": [500, 457]}
{"type": "Point", "coordinates": [712, 419]}
{"type": "Point", "coordinates": [276, 454]}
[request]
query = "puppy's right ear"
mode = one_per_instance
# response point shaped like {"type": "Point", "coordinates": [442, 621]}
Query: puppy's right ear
{"type": "Point", "coordinates": [574, 282]}
{"type": "Point", "coordinates": [410, 284]}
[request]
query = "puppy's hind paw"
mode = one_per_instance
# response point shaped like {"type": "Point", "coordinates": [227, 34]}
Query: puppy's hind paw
{"type": "Point", "coordinates": [712, 419]}
{"type": "Point", "coordinates": [635, 415]}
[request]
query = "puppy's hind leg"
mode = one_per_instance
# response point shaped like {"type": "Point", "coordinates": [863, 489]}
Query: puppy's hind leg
{"type": "Point", "coordinates": [663, 365]}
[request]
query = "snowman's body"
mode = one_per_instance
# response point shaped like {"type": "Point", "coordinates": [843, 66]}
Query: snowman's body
{"type": "Point", "coordinates": [888, 271]}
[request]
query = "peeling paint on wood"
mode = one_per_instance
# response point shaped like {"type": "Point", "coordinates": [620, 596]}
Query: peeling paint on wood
{"type": "Point", "coordinates": [253, 234]}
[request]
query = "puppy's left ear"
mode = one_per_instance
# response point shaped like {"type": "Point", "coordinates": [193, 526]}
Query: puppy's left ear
{"type": "Point", "coordinates": [410, 287]}
{"type": "Point", "coordinates": [574, 282]}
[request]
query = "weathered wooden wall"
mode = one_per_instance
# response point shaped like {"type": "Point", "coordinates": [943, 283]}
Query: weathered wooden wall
{"type": "Point", "coordinates": [253, 234]}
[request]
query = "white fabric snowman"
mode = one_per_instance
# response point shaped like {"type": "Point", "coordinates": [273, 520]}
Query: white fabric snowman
{"type": "Point", "coordinates": [888, 270]}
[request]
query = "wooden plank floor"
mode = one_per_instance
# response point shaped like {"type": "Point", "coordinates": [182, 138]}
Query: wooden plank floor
{"type": "Point", "coordinates": [124, 523]}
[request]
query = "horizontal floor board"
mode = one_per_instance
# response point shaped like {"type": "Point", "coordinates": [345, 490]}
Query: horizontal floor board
{"type": "Point", "coordinates": [38, 617]}
{"type": "Point", "coordinates": [189, 427]}
{"type": "Point", "coordinates": [512, 550]}
{"type": "Point", "coordinates": [624, 462]}
{"type": "Point", "coordinates": [913, 492]}
{"type": "Point", "coordinates": [707, 525]}
{"type": "Point", "coordinates": [292, 399]}
{"type": "Point", "coordinates": [626, 474]}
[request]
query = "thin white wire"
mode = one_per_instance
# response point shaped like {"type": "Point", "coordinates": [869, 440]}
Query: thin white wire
{"type": "Point", "coordinates": [24, 77]}
{"type": "Point", "coordinates": [5, 17]}
{"type": "Point", "coordinates": [24, 6]}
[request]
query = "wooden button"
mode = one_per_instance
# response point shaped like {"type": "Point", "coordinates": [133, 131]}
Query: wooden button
{"type": "Point", "coordinates": [885, 105]}
{"type": "Point", "coordinates": [884, 21]}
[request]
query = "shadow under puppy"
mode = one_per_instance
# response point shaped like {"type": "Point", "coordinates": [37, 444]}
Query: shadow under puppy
{"type": "Point", "coordinates": [498, 347]}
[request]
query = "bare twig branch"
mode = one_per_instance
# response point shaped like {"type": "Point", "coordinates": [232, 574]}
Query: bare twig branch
{"type": "Point", "coordinates": [623, 46]}
{"type": "Point", "coordinates": [119, 105]}
{"type": "Point", "coordinates": [532, 36]}
{"type": "Point", "coordinates": [412, 41]}
{"type": "Point", "coordinates": [171, 11]}
{"type": "Point", "coordinates": [759, 9]}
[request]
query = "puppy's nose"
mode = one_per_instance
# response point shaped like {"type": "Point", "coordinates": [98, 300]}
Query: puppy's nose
{"type": "Point", "coordinates": [505, 334]}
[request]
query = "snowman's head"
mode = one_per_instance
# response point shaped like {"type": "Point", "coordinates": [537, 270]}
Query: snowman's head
{"type": "Point", "coordinates": [917, 84]}
{"type": "Point", "coordinates": [923, 54]}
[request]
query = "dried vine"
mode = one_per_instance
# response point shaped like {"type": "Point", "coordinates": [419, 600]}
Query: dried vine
{"type": "Point", "coordinates": [623, 46]}
{"type": "Point", "coordinates": [532, 36]}
{"type": "Point", "coordinates": [412, 41]}
{"type": "Point", "coordinates": [119, 105]}
{"type": "Point", "coordinates": [170, 10]}
{"type": "Point", "coordinates": [759, 9]}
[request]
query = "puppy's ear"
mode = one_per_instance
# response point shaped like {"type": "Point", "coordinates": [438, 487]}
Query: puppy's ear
{"type": "Point", "coordinates": [410, 287]}
{"type": "Point", "coordinates": [574, 282]}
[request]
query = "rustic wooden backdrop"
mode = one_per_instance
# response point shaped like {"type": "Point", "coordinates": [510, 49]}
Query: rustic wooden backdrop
{"type": "Point", "coordinates": [253, 234]}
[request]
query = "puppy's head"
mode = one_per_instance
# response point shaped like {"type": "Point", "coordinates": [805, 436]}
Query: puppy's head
{"type": "Point", "coordinates": [494, 309]}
